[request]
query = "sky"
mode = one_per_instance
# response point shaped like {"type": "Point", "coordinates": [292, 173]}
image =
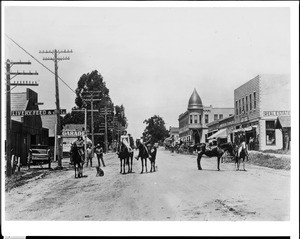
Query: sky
{"type": "Point", "coordinates": [151, 58]}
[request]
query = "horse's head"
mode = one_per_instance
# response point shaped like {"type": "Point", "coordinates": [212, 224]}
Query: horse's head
{"type": "Point", "coordinates": [229, 147]}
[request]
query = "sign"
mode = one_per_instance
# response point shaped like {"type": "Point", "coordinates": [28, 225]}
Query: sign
{"type": "Point", "coordinates": [72, 133]}
{"type": "Point", "coordinates": [35, 112]}
{"type": "Point", "coordinates": [275, 113]}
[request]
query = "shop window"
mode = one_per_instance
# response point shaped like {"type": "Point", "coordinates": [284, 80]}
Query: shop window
{"type": "Point", "coordinates": [236, 108]}
{"type": "Point", "coordinates": [250, 102]}
{"type": "Point", "coordinates": [246, 103]}
{"type": "Point", "coordinates": [270, 133]}
{"type": "Point", "coordinates": [254, 100]}
{"type": "Point", "coordinates": [206, 119]}
{"type": "Point", "coordinates": [215, 117]}
{"type": "Point", "coordinates": [220, 116]}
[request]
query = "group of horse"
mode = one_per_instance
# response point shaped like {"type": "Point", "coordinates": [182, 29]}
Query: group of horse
{"type": "Point", "coordinates": [126, 157]}
{"type": "Point", "coordinates": [238, 153]}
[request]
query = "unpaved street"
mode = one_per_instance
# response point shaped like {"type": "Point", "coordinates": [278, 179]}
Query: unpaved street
{"type": "Point", "coordinates": [177, 191]}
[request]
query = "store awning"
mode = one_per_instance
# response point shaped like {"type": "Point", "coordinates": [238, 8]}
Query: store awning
{"type": "Point", "coordinates": [222, 133]}
{"type": "Point", "coordinates": [283, 122]}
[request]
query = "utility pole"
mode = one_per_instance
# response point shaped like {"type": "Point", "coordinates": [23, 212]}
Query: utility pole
{"type": "Point", "coordinates": [106, 143]}
{"type": "Point", "coordinates": [91, 99]}
{"type": "Point", "coordinates": [9, 64]}
{"type": "Point", "coordinates": [55, 58]}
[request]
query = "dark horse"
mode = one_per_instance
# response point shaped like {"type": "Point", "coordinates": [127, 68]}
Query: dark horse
{"type": "Point", "coordinates": [243, 154]}
{"type": "Point", "coordinates": [77, 159]}
{"type": "Point", "coordinates": [143, 154]}
{"type": "Point", "coordinates": [124, 156]}
{"type": "Point", "coordinates": [217, 151]}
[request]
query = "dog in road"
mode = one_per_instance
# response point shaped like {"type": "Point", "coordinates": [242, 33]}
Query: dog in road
{"type": "Point", "coordinates": [100, 172]}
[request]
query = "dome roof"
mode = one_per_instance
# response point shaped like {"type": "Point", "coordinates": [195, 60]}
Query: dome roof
{"type": "Point", "coordinates": [195, 101]}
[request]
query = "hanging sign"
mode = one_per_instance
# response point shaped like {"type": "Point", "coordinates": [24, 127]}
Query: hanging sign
{"type": "Point", "coordinates": [36, 112]}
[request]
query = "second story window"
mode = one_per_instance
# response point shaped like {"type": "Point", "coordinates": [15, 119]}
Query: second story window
{"type": "Point", "coordinates": [246, 103]}
{"type": "Point", "coordinates": [196, 119]}
{"type": "Point", "coordinates": [206, 119]}
{"type": "Point", "coordinates": [215, 117]}
{"type": "Point", "coordinates": [250, 102]}
{"type": "Point", "coordinates": [240, 108]}
{"type": "Point", "coordinates": [243, 105]}
{"type": "Point", "coordinates": [220, 116]}
{"type": "Point", "coordinates": [191, 119]}
{"type": "Point", "coordinates": [254, 100]}
{"type": "Point", "coordinates": [236, 108]}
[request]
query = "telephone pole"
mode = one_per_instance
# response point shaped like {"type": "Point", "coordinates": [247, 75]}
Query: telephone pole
{"type": "Point", "coordinates": [55, 58]}
{"type": "Point", "coordinates": [91, 99]}
{"type": "Point", "coordinates": [9, 64]}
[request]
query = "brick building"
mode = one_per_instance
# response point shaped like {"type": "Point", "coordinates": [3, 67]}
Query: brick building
{"type": "Point", "coordinates": [257, 105]}
{"type": "Point", "coordinates": [193, 123]}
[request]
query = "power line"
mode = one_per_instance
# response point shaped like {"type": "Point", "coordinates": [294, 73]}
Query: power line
{"type": "Point", "coordinates": [40, 62]}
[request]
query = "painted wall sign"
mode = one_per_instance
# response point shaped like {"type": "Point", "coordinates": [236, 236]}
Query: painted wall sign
{"type": "Point", "coordinates": [35, 112]}
{"type": "Point", "coordinates": [72, 133]}
{"type": "Point", "coordinates": [275, 113]}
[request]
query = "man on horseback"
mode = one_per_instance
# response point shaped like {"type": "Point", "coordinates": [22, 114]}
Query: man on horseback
{"type": "Point", "coordinates": [125, 139]}
{"type": "Point", "coordinates": [243, 146]}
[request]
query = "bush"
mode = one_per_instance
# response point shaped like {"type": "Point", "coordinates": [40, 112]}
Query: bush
{"type": "Point", "coordinates": [278, 151]}
{"type": "Point", "coordinates": [270, 161]}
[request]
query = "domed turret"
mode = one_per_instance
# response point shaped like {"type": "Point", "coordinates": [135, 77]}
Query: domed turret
{"type": "Point", "coordinates": [195, 101]}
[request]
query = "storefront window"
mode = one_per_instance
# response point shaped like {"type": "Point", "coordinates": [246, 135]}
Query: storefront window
{"type": "Point", "coordinates": [270, 133]}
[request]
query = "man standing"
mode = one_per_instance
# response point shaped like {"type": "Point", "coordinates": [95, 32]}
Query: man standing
{"type": "Point", "coordinates": [99, 153]}
{"type": "Point", "coordinates": [89, 156]}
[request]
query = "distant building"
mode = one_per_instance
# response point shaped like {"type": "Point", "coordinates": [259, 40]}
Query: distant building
{"type": "Point", "coordinates": [174, 133]}
{"type": "Point", "coordinates": [258, 104]}
{"type": "Point", "coordinates": [193, 123]}
{"type": "Point", "coordinates": [26, 130]}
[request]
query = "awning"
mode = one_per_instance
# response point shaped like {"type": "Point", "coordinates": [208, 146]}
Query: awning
{"type": "Point", "coordinates": [283, 122]}
{"type": "Point", "coordinates": [222, 133]}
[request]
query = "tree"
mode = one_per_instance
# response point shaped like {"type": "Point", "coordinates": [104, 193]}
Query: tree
{"type": "Point", "coordinates": [155, 129]}
{"type": "Point", "coordinates": [92, 85]}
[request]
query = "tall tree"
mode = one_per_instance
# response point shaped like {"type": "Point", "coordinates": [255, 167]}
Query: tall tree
{"type": "Point", "coordinates": [92, 85]}
{"type": "Point", "coordinates": [156, 129]}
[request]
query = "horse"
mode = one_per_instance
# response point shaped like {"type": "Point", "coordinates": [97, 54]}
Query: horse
{"type": "Point", "coordinates": [77, 159]}
{"type": "Point", "coordinates": [217, 151]}
{"type": "Point", "coordinates": [143, 154]}
{"type": "Point", "coordinates": [243, 154]}
{"type": "Point", "coordinates": [124, 156]}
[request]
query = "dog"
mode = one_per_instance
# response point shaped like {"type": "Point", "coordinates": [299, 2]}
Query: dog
{"type": "Point", "coordinates": [100, 172]}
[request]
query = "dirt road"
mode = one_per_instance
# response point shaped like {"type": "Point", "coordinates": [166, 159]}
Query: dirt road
{"type": "Point", "coordinates": [177, 191]}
